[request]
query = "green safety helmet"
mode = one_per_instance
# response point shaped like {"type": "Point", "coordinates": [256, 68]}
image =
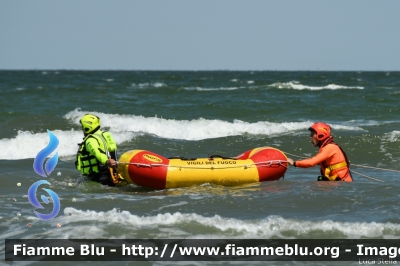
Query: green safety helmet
{"type": "Point", "coordinates": [90, 123]}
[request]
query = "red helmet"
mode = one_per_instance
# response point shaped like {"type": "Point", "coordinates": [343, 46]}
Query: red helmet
{"type": "Point", "coordinates": [323, 130]}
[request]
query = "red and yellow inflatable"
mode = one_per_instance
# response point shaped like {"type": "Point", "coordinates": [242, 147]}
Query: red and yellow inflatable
{"type": "Point", "coordinates": [149, 169]}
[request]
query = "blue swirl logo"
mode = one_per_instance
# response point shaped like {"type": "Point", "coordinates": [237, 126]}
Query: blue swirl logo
{"type": "Point", "coordinates": [43, 166]}
{"type": "Point", "coordinates": [32, 198]}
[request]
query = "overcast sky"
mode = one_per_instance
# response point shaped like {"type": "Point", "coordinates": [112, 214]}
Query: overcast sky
{"type": "Point", "coordinates": [200, 34]}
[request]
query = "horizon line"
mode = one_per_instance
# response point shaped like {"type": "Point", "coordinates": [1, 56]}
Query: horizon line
{"type": "Point", "coordinates": [195, 70]}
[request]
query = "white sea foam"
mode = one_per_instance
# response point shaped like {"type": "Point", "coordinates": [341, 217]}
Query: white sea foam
{"type": "Point", "coordinates": [392, 136]}
{"type": "Point", "coordinates": [28, 145]}
{"type": "Point", "coordinates": [298, 86]}
{"type": "Point", "coordinates": [127, 127]}
{"type": "Point", "coordinates": [363, 122]}
{"type": "Point", "coordinates": [149, 85]}
{"type": "Point", "coordinates": [211, 89]}
{"type": "Point", "coordinates": [196, 129]}
{"type": "Point", "coordinates": [220, 227]}
{"type": "Point", "coordinates": [280, 85]}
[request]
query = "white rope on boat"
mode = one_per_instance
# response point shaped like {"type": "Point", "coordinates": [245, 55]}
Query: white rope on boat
{"type": "Point", "coordinates": [245, 166]}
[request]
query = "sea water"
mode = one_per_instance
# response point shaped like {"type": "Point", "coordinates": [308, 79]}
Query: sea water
{"type": "Point", "coordinates": [197, 114]}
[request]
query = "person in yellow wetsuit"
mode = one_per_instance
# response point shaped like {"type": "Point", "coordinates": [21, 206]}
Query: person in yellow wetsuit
{"type": "Point", "coordinates": [97, 153]}
{"type": "Point", "coordinates": [331, 157]}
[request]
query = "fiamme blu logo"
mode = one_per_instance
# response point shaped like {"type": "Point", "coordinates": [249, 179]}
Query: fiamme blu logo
{"type": "Point", "coordinates": [43, 166]}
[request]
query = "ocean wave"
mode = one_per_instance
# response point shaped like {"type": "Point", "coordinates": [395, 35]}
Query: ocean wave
{"type": "Point", "coordinates": [27, 144]}
{"type": "Point", "coordinates": [149, 85]}
{"type": "Point", "coordinates": [212, 89]}
{"type": "Point", "coordinates": [363, 122]}
{"type": "Point", "coordinates": [191, 225]}
{"type": "Point", "coordinates": [298, 86]}
{"type": "Point", "coordinates": [127, 127]}
{"type": "Point", "coordinates": [196, 129]}
{"type": "Point", "coordinates": [392, 136]}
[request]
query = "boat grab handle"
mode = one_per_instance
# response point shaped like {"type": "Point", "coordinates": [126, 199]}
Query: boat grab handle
{"type": "Point", "coordinates": [220, 156]}
{"type": "Point", "coordinates": [182, 158]}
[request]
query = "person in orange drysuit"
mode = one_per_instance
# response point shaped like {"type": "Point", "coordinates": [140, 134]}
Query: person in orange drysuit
{"type": "Point", "coordinates": [331, 158]}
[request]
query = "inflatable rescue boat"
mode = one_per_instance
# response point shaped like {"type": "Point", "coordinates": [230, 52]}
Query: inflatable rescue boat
{"type": "Point", "coordinates": [149, 169]}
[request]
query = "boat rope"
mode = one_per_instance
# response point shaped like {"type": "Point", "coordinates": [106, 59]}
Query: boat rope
{"type": "Point", "coordinates": [367, 176]}
{"type": "Point", "coordinates": [377, 168]}
{"type": "Point", "coordinates": [362, 166]}
{"type": "Point", "coordinates": [357, 165]}
{"type": "Point", "coordinates": [294, 155]}
{"type": "Point", "coordinates": [245, 166]}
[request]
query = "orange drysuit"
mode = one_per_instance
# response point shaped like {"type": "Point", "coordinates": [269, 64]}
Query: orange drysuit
{"type": "Point", "coordinates": [333, 162]}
